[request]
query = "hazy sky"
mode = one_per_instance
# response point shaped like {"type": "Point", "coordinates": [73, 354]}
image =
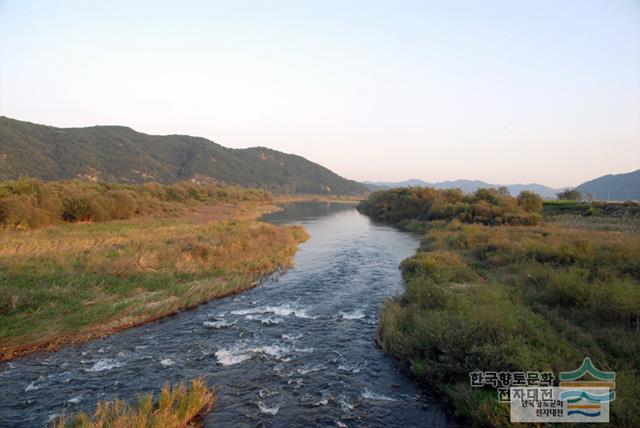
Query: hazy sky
{"type": "Point", "coordinates": [502, 91]}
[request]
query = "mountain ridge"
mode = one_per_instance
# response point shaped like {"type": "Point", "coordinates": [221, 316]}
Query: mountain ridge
{"type": "Point", "coordinates": [121, 154]}
{"type": "Point", "coordinates": [613, 187]}
{"type": "Point", "coordinates": [617, 187]}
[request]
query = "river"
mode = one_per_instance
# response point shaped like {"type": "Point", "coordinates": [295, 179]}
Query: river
{"type": "Point", "coordinates": [298, 350]}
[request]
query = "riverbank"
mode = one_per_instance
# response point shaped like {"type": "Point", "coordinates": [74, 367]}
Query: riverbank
{"type": "Point", "coordinates": [513, 298]}
{"type": "Point", "coordinates": [319, 198]}
{"type": "Point", "coordinates": [69, 283]}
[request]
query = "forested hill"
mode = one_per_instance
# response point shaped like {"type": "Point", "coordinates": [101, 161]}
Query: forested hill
{"type": "Point", "coordinates": [120, 154]}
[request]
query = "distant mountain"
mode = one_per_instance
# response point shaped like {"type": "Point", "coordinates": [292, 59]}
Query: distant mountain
{"type": "Point", "coordinates": [380, 185]}
{"type": "Point", "coordinates": [467, 186]}
{"type": "Point", "coordinates": [613, 187]}
{"type": "Point", "coordinates": [120, 154]}
{"type": "Point", "coordinates": [545, 191]}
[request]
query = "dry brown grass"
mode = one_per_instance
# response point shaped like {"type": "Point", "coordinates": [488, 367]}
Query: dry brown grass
{"type": "Point", "coordinates": [548, 243]}
{"type": "Point", "coordinates": [176, 407]}
{"type": "Point", "coordinates": [72, 282]}
{"type": "Point", "coordinates": [172, 246]}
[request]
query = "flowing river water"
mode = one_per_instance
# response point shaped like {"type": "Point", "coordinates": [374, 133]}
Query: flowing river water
{"type": "Point", "coordinates": [296, 351]}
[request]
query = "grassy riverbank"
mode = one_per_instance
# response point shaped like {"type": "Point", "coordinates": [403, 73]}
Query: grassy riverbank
{"type": "Point", "coordinates": [517, 298]}
{"type": "Point", "coordinates": [71, 282]}
{"type": "Point", "coordinates": [319, 198]}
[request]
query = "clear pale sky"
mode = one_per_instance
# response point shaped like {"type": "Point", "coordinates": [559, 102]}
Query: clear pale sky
{"type": "Point", "coordinates": [502, 91]}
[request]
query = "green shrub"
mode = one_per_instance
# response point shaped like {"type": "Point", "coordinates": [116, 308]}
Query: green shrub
{"type": "Point", "coordinates": [405, 206]}
{"type": "Point", "coordinates": [530, 201]}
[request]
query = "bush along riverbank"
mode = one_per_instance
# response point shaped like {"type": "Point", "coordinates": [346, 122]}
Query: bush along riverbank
{"type": "Point", "coordinates": [414, 207]}
{"type": "Point", "coordinates": [489, 296]}
{"type": "Point", "coordinates": [73, 281]}
{"type": "Point", "coordinates": [29, 203]}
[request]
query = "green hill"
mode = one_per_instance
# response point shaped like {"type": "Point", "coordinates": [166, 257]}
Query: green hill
{"type": "Point", "coordinates": [120, 154]}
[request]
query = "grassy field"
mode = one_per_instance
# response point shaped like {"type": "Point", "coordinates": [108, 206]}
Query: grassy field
{"type": "Point", "coordinates": [624, 211]}
{"type": "Point", "coordinates": [175, 407]}
{"type": "Point", "coordinates": [519, 298]}
{"type": "Point", "coordinates": [70, 282]}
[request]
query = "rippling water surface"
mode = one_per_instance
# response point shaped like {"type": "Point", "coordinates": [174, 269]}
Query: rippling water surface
{"type": "Point", "coordinates": [296, 351]}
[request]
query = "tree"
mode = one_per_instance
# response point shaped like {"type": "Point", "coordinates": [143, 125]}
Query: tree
{"type": "Point", "coordinates": [530, 201]}
{"type": "Point", "coordinates": [503, 190]}
{"type": "Point", "coordinates": [569, 195]}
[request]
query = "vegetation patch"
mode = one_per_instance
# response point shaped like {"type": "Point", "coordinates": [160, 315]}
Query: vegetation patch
{"type": "Point", "coordinates": [31, 203]}
{"type": "Point", "coordinates": [410, 207]}
{"type": "Point", "coordinates": [516, 298]}
{"type": "Point", "coordinates": [175, 407]}
{"type": "Point", "coordinates": [624, 210]}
